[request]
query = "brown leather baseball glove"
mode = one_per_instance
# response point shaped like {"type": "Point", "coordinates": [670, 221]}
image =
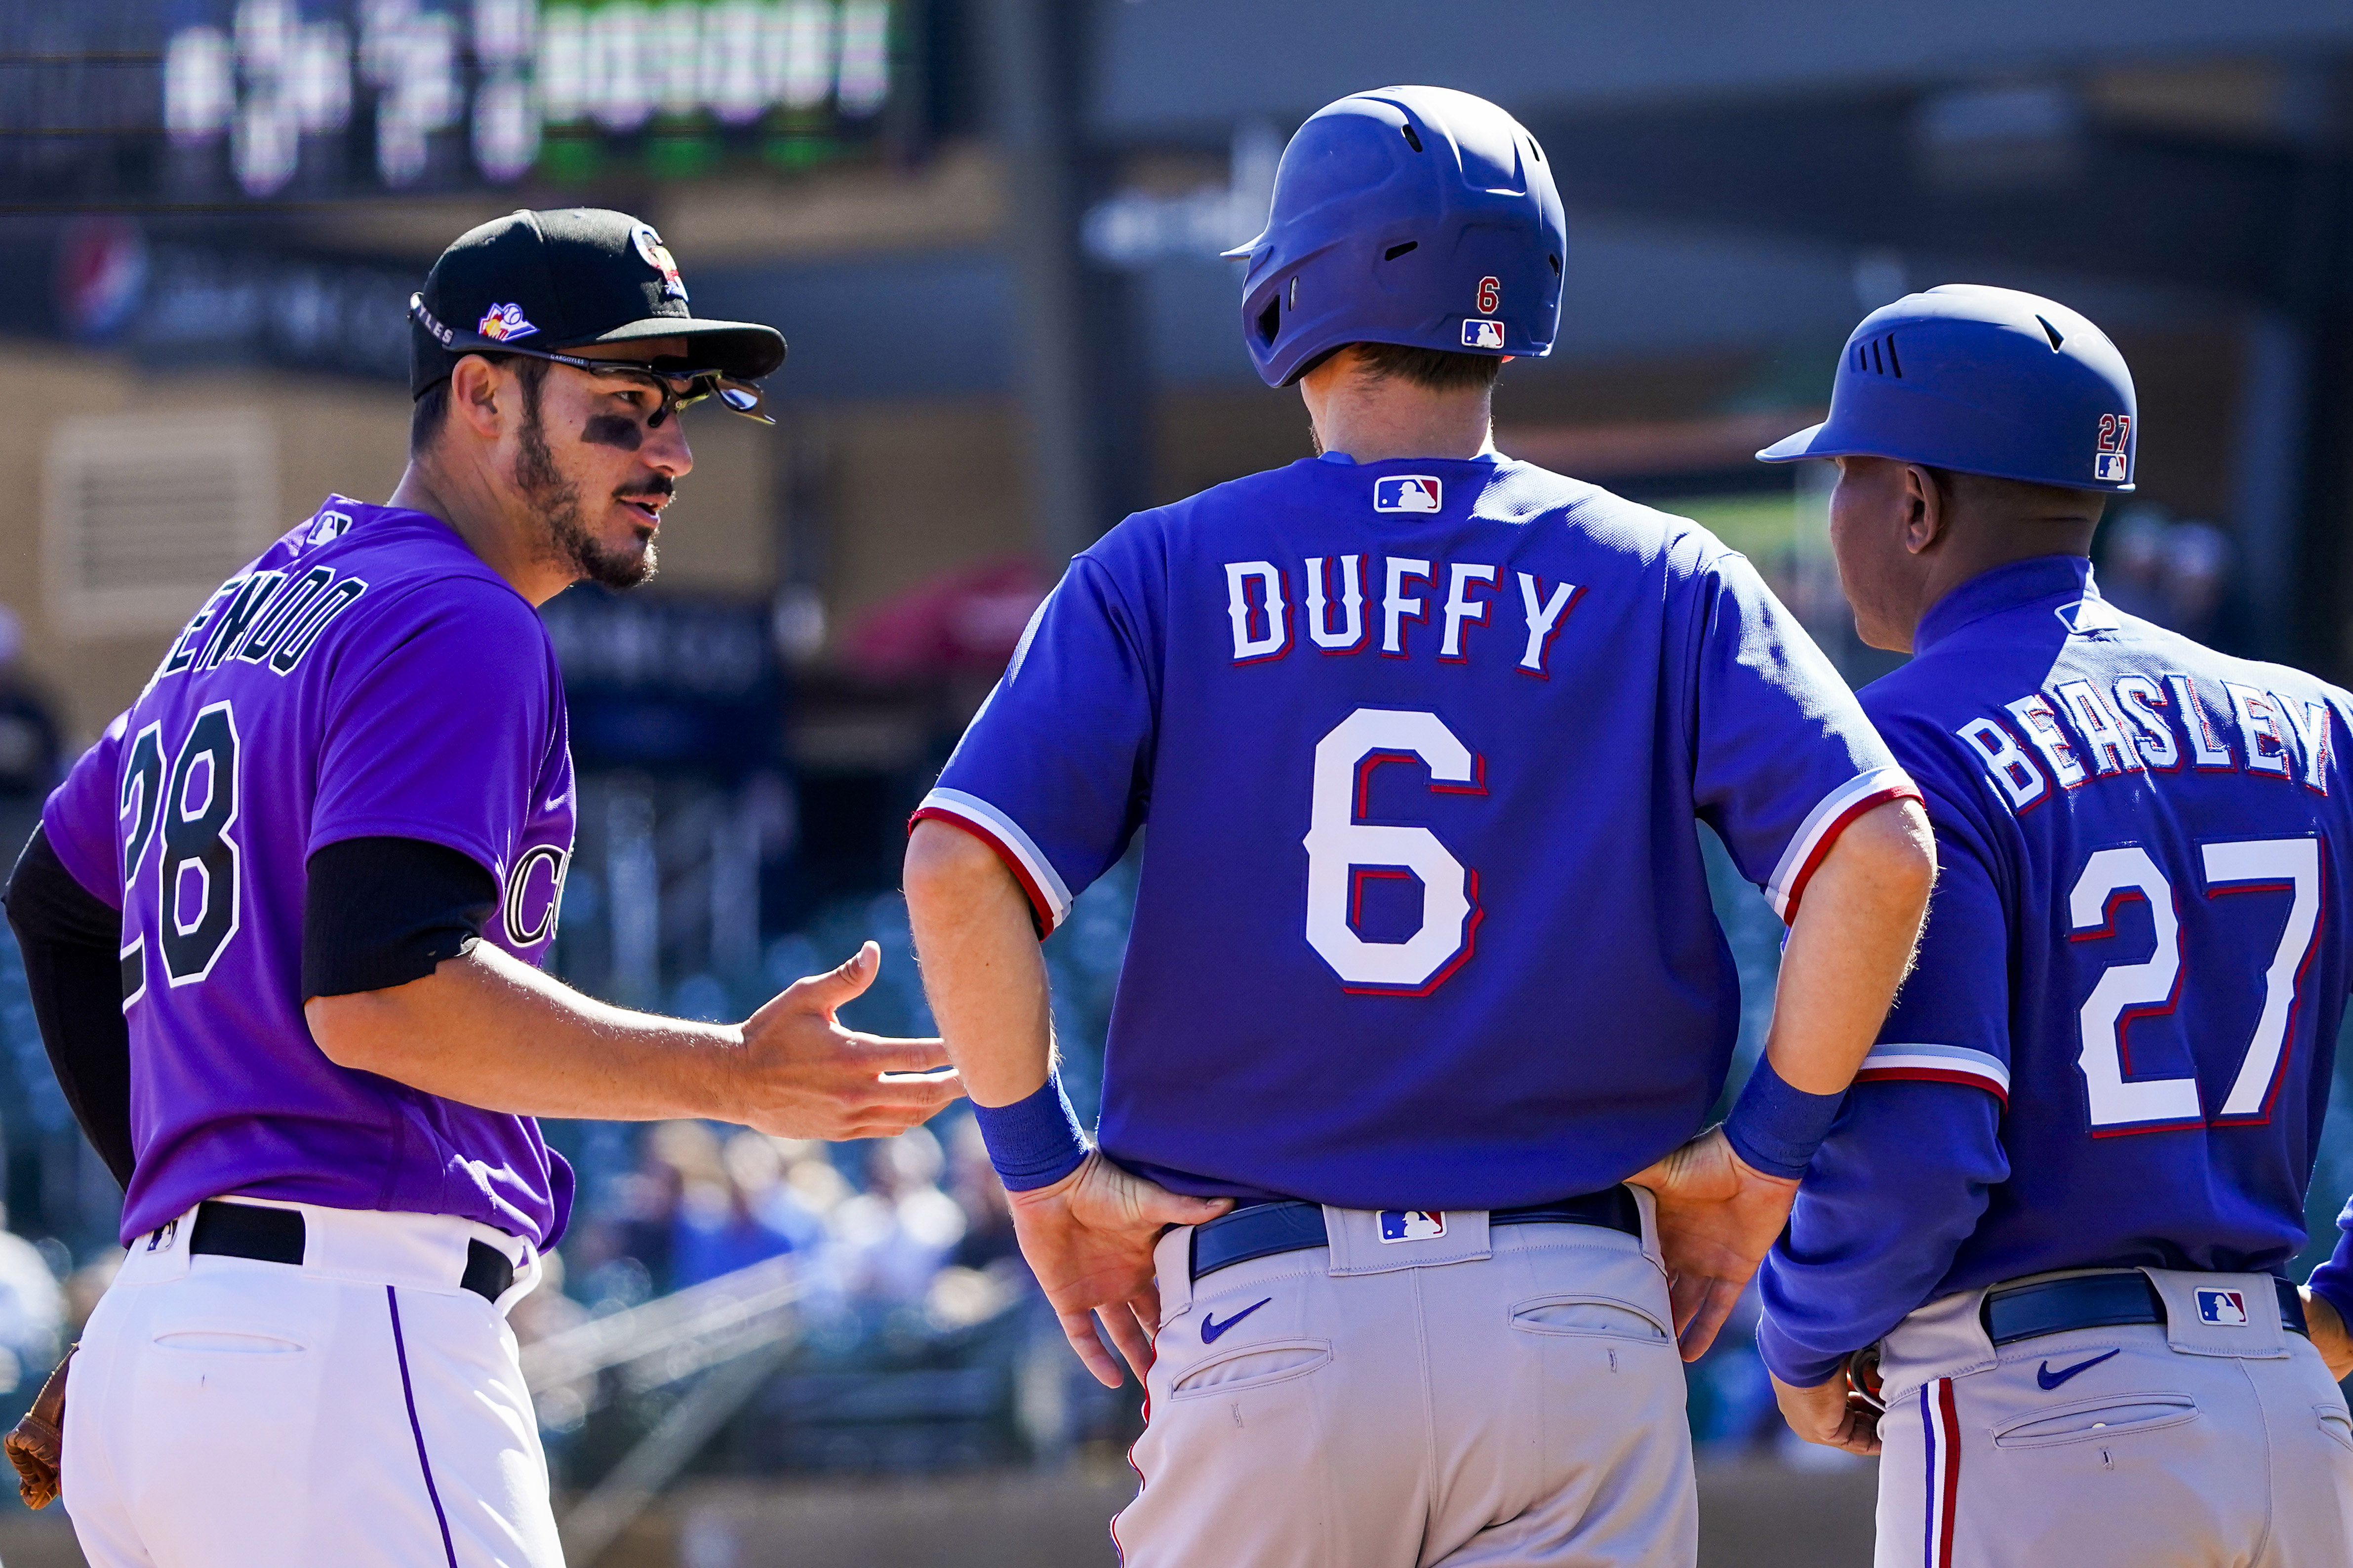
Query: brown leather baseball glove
{"type": "Point", "coordinates": [38, 1442]}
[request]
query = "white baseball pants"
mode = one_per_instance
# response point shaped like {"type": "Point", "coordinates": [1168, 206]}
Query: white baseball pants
{"type": "Point", "coordinates": [2185, 1445]}
{"type": "Point", "coordinates": [360, 1409]}
{"type": "Point", "coordinates": [1493, 1398]}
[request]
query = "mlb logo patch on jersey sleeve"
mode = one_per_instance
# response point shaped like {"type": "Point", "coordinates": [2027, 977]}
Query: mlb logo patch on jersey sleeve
{"type": "Point", "coordinates": [1407, 493]}
{"type": "Point", "coordinates": [2226, 1308]}
{"type": "Point", "coordinates": [1477, 334]}
{"type": "Point", "coordinates": [1412, 1224]}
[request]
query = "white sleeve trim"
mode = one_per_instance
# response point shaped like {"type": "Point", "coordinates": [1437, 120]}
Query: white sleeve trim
{"type": "Point", "coordinates": [1823, 821]}
{"type": "Point", "coordinates": [1047, 882]}
{"type": "Point", "coordinates": [1917, 1061]}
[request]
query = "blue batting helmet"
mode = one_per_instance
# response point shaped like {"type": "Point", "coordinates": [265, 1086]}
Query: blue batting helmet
{"type": "Point", "coordinates": [1408, 214]}
{"type": "Point", "coordinates": [1983, 380]}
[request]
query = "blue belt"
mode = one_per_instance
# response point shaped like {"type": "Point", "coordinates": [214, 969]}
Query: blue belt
{"type": "Point", "coordinates": [2096, 1301]}
{"type": "Point", "coordinates": [1262, 1230]}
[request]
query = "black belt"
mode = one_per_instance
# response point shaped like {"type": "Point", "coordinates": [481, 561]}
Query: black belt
{"type": "Point", "coordinates": [2096, 1301]}
{"type": "Point", "coordinates": [1262, 1230]}
{"type": "Point", "coordinates": [279, 1235]}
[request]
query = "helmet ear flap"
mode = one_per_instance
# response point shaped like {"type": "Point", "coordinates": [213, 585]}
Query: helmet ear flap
{"type": "Point", "coordinates": [1269, 320]}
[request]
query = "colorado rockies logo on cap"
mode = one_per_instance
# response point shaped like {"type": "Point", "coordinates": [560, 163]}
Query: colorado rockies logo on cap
{"type": "Point", "coordinates": [1408, 492]}
{"type": "Point", "coordinates": [657, 257]}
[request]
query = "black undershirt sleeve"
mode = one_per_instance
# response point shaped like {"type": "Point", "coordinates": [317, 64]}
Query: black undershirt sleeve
{"type": "Point", "coordinates": [71, 943]}
{"type": "Point", "coordinates": [381, 912]}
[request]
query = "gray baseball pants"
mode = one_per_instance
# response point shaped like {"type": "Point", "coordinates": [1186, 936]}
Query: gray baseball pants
{"type": "Point", "coordinates": [1482, 1400]}
{"type": "Point", "coordinates": [2190, 1444]}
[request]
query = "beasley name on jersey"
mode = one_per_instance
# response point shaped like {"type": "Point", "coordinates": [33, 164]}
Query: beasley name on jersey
{"type": "Point", "coordinates": [1423, 921]}
{"type": "Point", "coordinates": [2164, 832]}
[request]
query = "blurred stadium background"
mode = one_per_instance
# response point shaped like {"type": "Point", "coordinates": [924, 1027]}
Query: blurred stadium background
{"type": "Point", "coordinates": [988, 228]}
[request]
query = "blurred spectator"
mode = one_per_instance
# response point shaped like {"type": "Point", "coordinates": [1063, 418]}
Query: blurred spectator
{"type": "Point", "coordinates": [631, 1252]}
{"type": "Point", "coordinates": [987, 1214]}
{"type": "Point", "coordinates": [32, 1312]}
{"type": "Point", "coordinates": [2174, 573]}
{"type": "Point", "coordinates": [896, 1234]}
{"type": "Point", "coordinates": [738, 1220]}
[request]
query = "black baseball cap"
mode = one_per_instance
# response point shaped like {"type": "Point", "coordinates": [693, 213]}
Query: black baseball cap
{"type": "Point", "coordinates": [561, 279]}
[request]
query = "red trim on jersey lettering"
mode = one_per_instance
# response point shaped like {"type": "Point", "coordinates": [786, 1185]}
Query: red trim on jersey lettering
{"type": "Point", "coordinates": [1462, 626]}
{"type": "Point", "coordinates": [1461, 956]}
{"type": "Point", "coordinates": [1543, 671]}
{"type": "Point", "coordinates": [1476, 785]}
{"type": "Point", "coordinates": [1041, 911]}
{"type": "Point", "coordinates": [2157, 698]}
{"type": "Point", "coordinates": [1421, 618]}
{"type": "Point", "coordinates": [2295, 1004]}
{"type": "Point", "coordinates": [1277, 591]}
{"type": "Point", "coordinates": [1360, 874]}
{"type": "Point", "coordinates": [2193, 711]}
{"type": "Point", "coordinates": [1365, 765]}
{"type": "Point", "coordinates": [1323, 619]}
{"type": "Point", "coordinates": [1999, 771]}
{"type": "Point", "coordinates": [1904, 792]}
{"type": "Point", "coordinates": [1932, 1076]}
{"type": "Point", "coordinates": [2126, 1018]}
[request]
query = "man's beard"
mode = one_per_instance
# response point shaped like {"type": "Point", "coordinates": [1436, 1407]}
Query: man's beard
{"type": "Point", "coordinates": [569, 542]}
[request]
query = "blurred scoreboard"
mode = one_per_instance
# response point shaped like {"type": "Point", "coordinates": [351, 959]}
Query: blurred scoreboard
{"type": "Point", "coordinates": [203, 101]}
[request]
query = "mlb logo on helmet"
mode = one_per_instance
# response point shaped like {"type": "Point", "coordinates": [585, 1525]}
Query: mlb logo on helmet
{"type": "Point", "coordinates": [2226, 1308]}
{"type": "Point", "coordinates": [1407, 493]}
{"type": "Point", "coordinates": [1477, 334]}
{"type": "Point", "coordinates": [1412, 1224]}
{"type": "Point", "coordinates": [657, 257]}
{"type": "Point", "coordinates": [500, 322]}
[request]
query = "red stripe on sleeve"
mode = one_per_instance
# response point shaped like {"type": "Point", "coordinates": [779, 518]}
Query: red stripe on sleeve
{"type": "Point", "coordinates": [1822, 848]}
{"type": "Point", "coordinates": [1932, 1076]}
{"type": "Point", "coordinates": [1042, 914]}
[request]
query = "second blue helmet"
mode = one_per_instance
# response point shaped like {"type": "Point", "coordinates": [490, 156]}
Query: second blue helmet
{"type": "Point", "coordinates": [1982, 380]}
{"type": "Point", "coordinates": [1416, 215]}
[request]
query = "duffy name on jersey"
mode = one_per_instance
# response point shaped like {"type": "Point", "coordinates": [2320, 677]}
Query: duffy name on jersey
{"type": "Point", "coordinates": [1333, 607]}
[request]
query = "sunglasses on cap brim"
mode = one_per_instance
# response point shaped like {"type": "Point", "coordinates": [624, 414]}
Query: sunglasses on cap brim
{"type": "Point", "coordinates": [679, 388]}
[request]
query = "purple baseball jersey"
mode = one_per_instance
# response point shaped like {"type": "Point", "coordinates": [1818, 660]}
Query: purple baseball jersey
{"type": "Point", "coordinates": [368, 676]}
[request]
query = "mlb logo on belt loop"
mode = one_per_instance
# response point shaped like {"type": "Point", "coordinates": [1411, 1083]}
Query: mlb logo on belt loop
{"type": "Point", "coordinates": [1412, 1224]}
{"type": "Point", "coordinates": [1408, 492]}
{"type": "Point", "coordinates": [2226, 1307]}
{"type": "Point", "coordinates": [1477, 334]}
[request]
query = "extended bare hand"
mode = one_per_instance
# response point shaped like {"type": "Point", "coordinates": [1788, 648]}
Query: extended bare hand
{"type": "Point", "coordinates": [1089, 1238]}
{"type": "Point", "coordinates": [802, 1074]}
{"type": "Point", "coordinates": [1829, 1414]}
{"type": "Point", "coordinates": [1718, 1216]}
{"type": "Point", "coordinates": [2328, 1335]}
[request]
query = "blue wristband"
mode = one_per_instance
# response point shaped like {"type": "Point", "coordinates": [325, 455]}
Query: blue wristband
{"type": "Point", "coordinates": [1775, 1127]}
{"type": "Point", "coordinates": [1033, 1142]}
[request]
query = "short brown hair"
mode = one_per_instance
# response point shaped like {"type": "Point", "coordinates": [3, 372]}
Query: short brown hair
{"type": "Point", "coordinates": [433, 404]}
{"type": "Point", "coordinates": [1432, 369]}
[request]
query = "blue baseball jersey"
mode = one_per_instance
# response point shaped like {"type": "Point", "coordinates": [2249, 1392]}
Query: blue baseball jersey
{"type": "Point", "coordinates": [2115, 1049]}
{"type": "Point", "coordinates": [367, 676]}
{"type": "Point", "coordinates": [1420, 748]}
